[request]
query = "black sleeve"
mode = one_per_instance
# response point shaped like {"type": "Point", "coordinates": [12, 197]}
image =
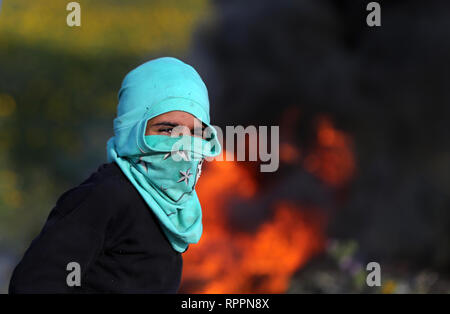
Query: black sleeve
{"type": "Point", "coordinates": [74, 232]}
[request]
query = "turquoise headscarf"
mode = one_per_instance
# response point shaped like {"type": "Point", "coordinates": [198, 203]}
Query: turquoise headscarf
{"type": "Point", "coordinates": [166, 184]}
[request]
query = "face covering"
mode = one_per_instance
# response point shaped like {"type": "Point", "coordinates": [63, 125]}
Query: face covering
{"type": "Point", "coordinates": [164, 169]}
{"type": "Point", "coordinates": [170, 159]}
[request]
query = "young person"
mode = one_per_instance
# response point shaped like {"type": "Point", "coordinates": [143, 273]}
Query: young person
{"type": "Point", "coordinates": [123, 229]}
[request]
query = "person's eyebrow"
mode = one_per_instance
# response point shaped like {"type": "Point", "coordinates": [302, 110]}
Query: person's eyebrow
{"type": "Point", "coordinates": [165, 124]}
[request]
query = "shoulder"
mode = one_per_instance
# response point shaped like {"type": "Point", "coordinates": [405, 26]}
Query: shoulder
{"type": "Point", "coordinates": [106, 190]}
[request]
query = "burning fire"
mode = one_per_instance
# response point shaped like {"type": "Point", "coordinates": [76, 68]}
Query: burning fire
{"type": "Point", "coordinates": [332, 160]}
{"type": "Point", "coordinates": [230, 261]}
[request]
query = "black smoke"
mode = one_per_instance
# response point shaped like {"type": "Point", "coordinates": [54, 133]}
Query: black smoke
{"type": "Point", "coordinates": [388, 86]}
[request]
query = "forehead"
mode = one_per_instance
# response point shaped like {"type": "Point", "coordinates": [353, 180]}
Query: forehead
{"type": "Point", "coordinates": [176, 117]}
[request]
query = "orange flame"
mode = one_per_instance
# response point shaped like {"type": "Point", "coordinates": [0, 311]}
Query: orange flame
{"type": "Point", "coordinates": [230, 261]}
{"type": "Point", "coordinates": [332, 160]}
{"type": "Point", "coordinates": [227, 261]}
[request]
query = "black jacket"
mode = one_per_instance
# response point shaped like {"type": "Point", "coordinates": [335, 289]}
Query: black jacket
{"type": "Point", "coordinates": [106, 227]}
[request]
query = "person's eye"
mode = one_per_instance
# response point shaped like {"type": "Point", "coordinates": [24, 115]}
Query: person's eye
{"type": "Point", "coordinates": [166, 131]}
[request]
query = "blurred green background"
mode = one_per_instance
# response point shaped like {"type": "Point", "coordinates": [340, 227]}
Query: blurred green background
{"type": "Point", "coordinates": [58, 96]}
